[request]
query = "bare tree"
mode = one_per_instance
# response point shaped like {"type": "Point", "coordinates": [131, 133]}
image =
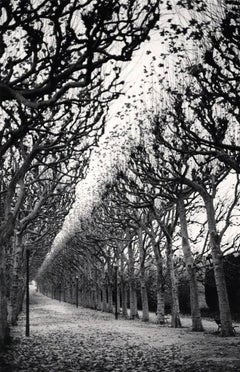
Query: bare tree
{"type": "Point", "coordinates": [56, 77]}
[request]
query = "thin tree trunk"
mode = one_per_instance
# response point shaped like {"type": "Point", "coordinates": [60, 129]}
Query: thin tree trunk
{"type": "Point", "coordinates": [190, 267]}
{"type": "Point", "coordinates": [98, 298]}
{"type": "Point", "coordinates": [72, 292]}
{"type": "Point", "coordinates": [94, 296]}
{"type": "Point", "coordinates": [175, 321]}
{"type": "Point", "coordinates": [104, 299]}
{"type": "Point", "coordinates": [135, 302]}
{"type": "Point", "coordinates": [144, 296]}
{"type": "Point", "coordinates": [160, 295]}
{"type": "Point", "coordinates": [98, 289]}
{"type": "Point", "coordinates": [6, 232]}
{"type": "Point", "coordinates": [159, 283]}
{"type": "Point", "coordinates": [217, 257]}
{"type": "Point", "coordinates": [23, 292]}
{"type": "Point", "coordinates": [17, 273]}
{"type": "Point", "coordinates": [132, 284]}
{"type": "Point", "coordinates": [123, 289]}
{"type": "Point", "coordinates": [64, 289]}
{"type": "Point", "coordinates": [110, 297]}
{"type": "Point", "coordinates": [20, 295]}
{"type": "Point", "coordinates": [124, 297]}
{"type": "Point", "coordinates": [4, 328]}
{"type": "Point", "coordinates": [118, 300]}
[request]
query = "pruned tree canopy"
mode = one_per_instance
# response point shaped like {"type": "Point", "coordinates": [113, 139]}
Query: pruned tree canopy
{"type": "Point", "coordinates": [48, 48]}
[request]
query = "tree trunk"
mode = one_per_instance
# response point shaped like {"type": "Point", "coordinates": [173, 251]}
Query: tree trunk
{"type": "Point", "coordinates": [6, 232]}
{"type": "Point", "coordinates": [89, 299]}
{"type": "Point", "coordinates": [217, 257]}
{"type": "Point", "coordinates": [94, 296]}
{"type": "Point", "coordinates": [98, 298]}
{"type": "Point", "coordinates": [17, 274]}
{"type": "Point", "coordinates": [144, 296]}
{"type": "Point", "coordinates": [4, 328]}
{"type": "Point", "coordinates": [123, 290]}
{"type": "Point", "coordinates": [98, 289]}
{"type": "Point", "coordinates": [175, 321]}
{"type": "Point", "coordinates": [72, 292]}
{"type": "Point", "coordinates": [104, 299]}
{"type": "Point", "coordinates": [159, 283]}
{"type": "Point", "coordinates": [160, 295]}
{"type": "Point", "coordinates": [132, 284]}
{"type": "Point", "coordinates": [64, 290]}
{"type": "Point", "coordinates": [118, 299]}
{"type": "Point", "coordinates": [110, 297]}
{"type": "Point", "coordinates": [124, 298]}
{"type": "Point", "coordinates": [20, 295]}
{"type": "Point", "coordinates": [190, 267]}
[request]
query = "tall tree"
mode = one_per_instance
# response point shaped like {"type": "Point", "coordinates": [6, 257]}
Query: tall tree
{"type": "Point", "coordinates": [52, 66]}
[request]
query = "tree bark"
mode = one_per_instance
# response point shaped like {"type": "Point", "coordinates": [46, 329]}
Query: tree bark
{"type": "Point", "coordinates": [110, 297]}
{"type": "Point", "coordinates": [217, 257]}
{"type": "Point", "coordinates": [4, 328]}
{"type": "Point", "coordinates": [159, 283]}
{"type": "Point", "coordinates": [190, 267]}
{"type": "Point", "coordinates": [118, 300]}
{"type": "Point", "coordinates": [16, 282]}
{"type": "Point", "coordinates": [124, 297]}
{"type": "Point", "coordinates": [104, 298]}
{"type": "Point", "coordinates": [98, 298]}
{"type": "Point", "coordinates": [175, 321]}
{"type": "Point", "coordinates": [144, 296]}
{"type": "Point", "coordinates": [123, 290]}
{"type": "Point", "coordinates": [132, 284]}
{"type": "Point", "coordinates": [6, 232]}
{"type": "Point", "coordinates": [160, 293]}
{"type": "Point", "coordinates": [94, 295]}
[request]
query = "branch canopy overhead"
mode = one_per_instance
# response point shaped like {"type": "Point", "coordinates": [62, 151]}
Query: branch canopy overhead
{"type": "Point", "coordinates": [50, 47]}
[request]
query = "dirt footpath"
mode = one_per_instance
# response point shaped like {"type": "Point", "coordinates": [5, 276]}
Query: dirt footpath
{"type": "Point", "coordinates": [66, 339]}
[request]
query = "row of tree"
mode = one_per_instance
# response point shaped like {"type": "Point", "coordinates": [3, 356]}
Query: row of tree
{"type": "Point", "coordinates": [174, 195]}
{"type": "Point", "coordinates": [60, 65]}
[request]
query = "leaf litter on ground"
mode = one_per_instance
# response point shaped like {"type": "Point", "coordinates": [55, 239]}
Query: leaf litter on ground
{"type": "Point", "coordinates": [68, 339]}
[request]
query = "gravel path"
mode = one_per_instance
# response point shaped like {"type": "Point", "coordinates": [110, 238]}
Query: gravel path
{"type": "Point", "coordinates": [66, 339]}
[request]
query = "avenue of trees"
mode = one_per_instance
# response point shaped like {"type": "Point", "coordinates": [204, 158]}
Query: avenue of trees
{"type": "Point", "coordinates": [165, 204]}
{"type": "Point", "coordinates": [172, 209]}
{"type": "Point", "coordinates": [60, 63]}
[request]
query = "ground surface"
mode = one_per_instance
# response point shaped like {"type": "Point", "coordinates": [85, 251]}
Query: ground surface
{"type": "Point", "coordinates": [66, 339]}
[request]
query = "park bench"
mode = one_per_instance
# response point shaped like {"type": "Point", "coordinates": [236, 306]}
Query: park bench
{"type": "Point", "coordinates": [166, 319]}
{"type": "Point", "coordinates": [219, 324]}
